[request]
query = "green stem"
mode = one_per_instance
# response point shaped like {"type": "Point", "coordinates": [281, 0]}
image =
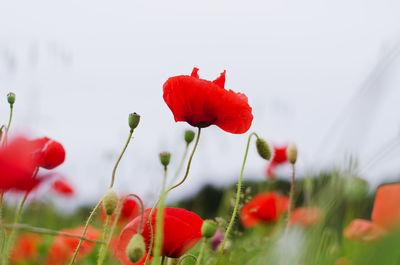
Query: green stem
{"type": "Point", "coordinates": [237, 198]}
{"type": "Point", "coordinates": [45, 231]}
{"type": "Point", "coordinates": [11, 238]}
{"type": "Point", "coordinates": [2, 231]}
{"type": "Point", "coordinates": [202, 247]}
{"type": "Point", "coordinates": [171, 188]}
{"type": "Point", "coordinates": [291, 197]}
{"type": "Point", "coordinates": [186, 256]}
{"type": "Point", "coordinates": [179, 169]}
{"type": "Point", "coordinates": [103, 249]}
{"type": "Point", "coordinates": [8, 125]}
{"type": "Point", "coordinates": [119, 158]}
{"type": "Point", "coordinates": [84, 231]}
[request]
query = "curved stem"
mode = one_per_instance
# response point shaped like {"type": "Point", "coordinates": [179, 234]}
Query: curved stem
{"type": "Point", "coordinates": [84, 231]}
{"type": "Point", "coordinates": [291, 196]}
{"type": "Point", "coordinates": [11, 238]}
{"type": "Point", "coordinates": [160, 221]}
{"type": "Point", "coordinates": [202, 247]}
{"type": "Point", "coordinates": [179, 169]}
{"type": "Point", "coordinates": [8, 125]}
{"type": "Point", "coordinates": [186, 256]}
{"type": "Point", "coordinates": [103, 249]}
{"type": "Point", "coordinates": [118, 214]}
{"type": "Point", "coordinates": [45, 231]}
{"type": "Point", "coordinates": [237, 198]}
{"type": "Point", "coordinates": [119, 158]}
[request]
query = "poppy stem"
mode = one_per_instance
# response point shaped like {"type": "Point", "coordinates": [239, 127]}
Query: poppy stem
{"type": "Point", "coordinates": [118, 214]}
{"type": "Point", "coordinates": [179, 169]}
{"type": "Point", "coordinates": [8, 125]}
{"type": "Point", "coordinates": [11, 238]}
{"type": "Point", "coordinates": [45, 231]}
{"type": "Point", "coordinates": [202, 247]}
{"type": "Point", "coordinates": [84, 231]}
{"type": "Point", "coordinates": [103, 249]}
{"type": "Point", "coordinates": [186, 256]}
{"type": "Point", "coordinates": [237, 198]}
{"type": "Point", "coordinates": [291, 196]}
{"type": "Point", "coordinates": [119, 158]}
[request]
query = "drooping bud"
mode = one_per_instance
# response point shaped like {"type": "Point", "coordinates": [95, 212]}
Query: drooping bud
{"type": "Point", "coordinates": [134, 120]}
{"type": "Point", "coordinates": [291, 153]}
{"type": "Point", "coordinates": [209, 228]}
{"type": "Point", "coordinates": [189, 136]}
{"type": "Point", "coordinates": [110, 201]}
{"type": "Point", "coordinates": [263, 149]}
{"type": "Point", "coordinates": [135, 249]}
{"type": "Point", "coordinates": [11, 98]}
{"type": "Point", "coordinates": [165, 157]}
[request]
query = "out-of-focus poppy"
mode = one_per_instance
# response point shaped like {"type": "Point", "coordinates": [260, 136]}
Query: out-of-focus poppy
{"type": "Point", "coordinates": [305, 216]}
{"type": "Point", "coordinates": [130, 210]}
{"type": "Point", "coordinates": [386, 211]}
{"type": "Point", "coordinates": [181, 231]}
{"type": "Point", "coordinates": [363, 231]}
{"type": "Point", "coordinates": [51, 153]}
{"type": "Point", "coordinates": [25, 248]}
{"type": "Point", "coordinates": [62, 248]}
{"type": "Point", "coordinates": [264, 208]}
{"type": "Point", "coordinates": [62, 187]}
{"type": "Point", "coordinates": [279, 157]}
{"type": "Point", "coordinates": [202, 103]}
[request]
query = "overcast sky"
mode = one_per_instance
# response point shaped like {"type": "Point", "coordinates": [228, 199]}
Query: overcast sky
{"type": "Point", "coordinates": [322, 73]}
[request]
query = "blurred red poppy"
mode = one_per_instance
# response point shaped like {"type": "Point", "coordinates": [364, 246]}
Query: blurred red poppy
{"type": "Point", "coordinates": [62, 248]}
{"type": "Point", "coordinates": [182, 230]}
{"type": "Point", "coordinates": [306, 216]}
{"type": "Point", "coordinates": [279, 157]}
{"type": "Point", "coordinates": [130, 210]}
{"type": "Point", "coordinates": [363, 231]}
{"type": "Point", "coordinates": [264, 208]}
{"type": "Point", "coordinates": [52, 153]}
{"type": "Point", "coordinates": [202, 103]}
{"type": "Point", "coordinates": [25, 248]}
{"type": "Point", "coordinates": [386, 211]}
{"type": "Point", "coordinates": [62, 187]}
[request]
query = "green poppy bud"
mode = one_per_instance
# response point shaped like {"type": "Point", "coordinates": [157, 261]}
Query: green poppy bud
{"type": "Point", "coordinates": [291, 153]}
{"type": "Point", "coordinates": [134, 120]}
{"type": "Point", "coordinates": [110, 201]}
{"type": "Point", "coordinates": [263, 149]}
{"type": "Point", "coordinates": [165, 157]}
{"type": "Point", "coordinates": [209, 228]}
{"type": "Point", "coordinates": [189, 136]}
{"type": "Point", "coordinates": [135, 249]}
{"type": "Point", "coordinates": [11, 98]}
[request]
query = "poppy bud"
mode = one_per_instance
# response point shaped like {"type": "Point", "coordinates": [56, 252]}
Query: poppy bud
{"type": "Point", "coordinates": [208, 228]}
{"type": "Point", "coordinates": [189, 136]}
{"type": "Point", "coordinates": [134, 120]}
{"type": "Point", "coordinates": [263, 149]}
{"type": "Point", "coordinates": [291, 153]}
{"type": "Point", "coordinates": [110, 201]}
{"type": "Point", "coordinates": [135, 249]}
{"type": "Point", "coordinates": [165, 157]}
{"type": "Point", "coordinates": [11, 98]}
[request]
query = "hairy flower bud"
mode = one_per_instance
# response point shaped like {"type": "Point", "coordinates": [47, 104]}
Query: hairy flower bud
{"type": "Point", "coordinates": [110, 201]}
{"type": "Point", "coordinates": [263, 149]}
{"type": "Point", "coordinates": [134, 120]}
{"type": "Point", "coordinates": [209, 228]}
{"type": "Point", "coordinates": [11, 98]}
{"type": "Point", "coordinates": [135, 249]}
{"type": "Point", "coordinates": [189, 136]}
{"type": "Point", "coordinates": [291, 153]}
{"type": "Point", "coordinates": [165, 157]}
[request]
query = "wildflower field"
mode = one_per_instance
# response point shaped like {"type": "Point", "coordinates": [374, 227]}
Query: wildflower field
{"type": "Point", "coordinates": [327, 218]}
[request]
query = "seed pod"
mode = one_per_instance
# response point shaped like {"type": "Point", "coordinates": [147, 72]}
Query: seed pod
{"type": "Point", "coordinates": [165, 157]}
{"type": "Point", "coordinates": [134, 120]}
{"type": "Point", "coordinates": [209, 228]}
{"type": "Point", "coordinates": [11, 98]}
{"type": "Point", "coordinates": [189, 136]}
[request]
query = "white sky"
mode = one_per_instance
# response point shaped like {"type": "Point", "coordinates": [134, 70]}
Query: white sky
{"type": "Point", "coordinates": [79, 68]}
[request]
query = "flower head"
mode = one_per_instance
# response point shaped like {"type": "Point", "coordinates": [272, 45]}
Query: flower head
{"type": "Point", "coordinates": [363, 231]}
{"type": "Point", "coordinates": [279, 157]}
{"type": "Point", "coordinates": [51, 153]}
{"type": "Point", "coordinates": [25, 248]}
{"type": "Point", "coordinates": [386, 211]}
{"type": "Point", "coordinates": [130, 210]}
{"type": "Point", "coordinates": [305, 216]}
{"type": "Point", "coordinates": [181, 231]}
{"type": "Point", "coordinates": [264, 208]}
{"type": "Point", "coordinates": [202, 103]}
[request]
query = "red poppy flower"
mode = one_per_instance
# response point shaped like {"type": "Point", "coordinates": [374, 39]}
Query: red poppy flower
{"type": "Point", "coordinates": [264, 208]}
{"type": "Point", "coordinates": [202, 103]}
{"type": "Point", "coordinates": [305, 216]}
{"type": "Point", "coordinates": [363, 231]}
{"type": "Point", "coordinates": [52, 153]}
{"type": "Point", "coordinates": [17, 162]}
{"type": "Point", "coordinates": [130, 210]}
{"type": "Point", "coordinates": [279, 157]}
{"type": "Point", "coordinates": [386, 211]}
{"type": "Point", "coordinates": [25, 248]}
{"type": "Point", "coordinates": [63, 248]}
{"type": "Point", "coordinates": [181, 231]}
{"type": "Point", "coordinates": [61, 186]}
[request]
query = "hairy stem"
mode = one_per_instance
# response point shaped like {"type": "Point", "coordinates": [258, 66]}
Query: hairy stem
{"type": "Point", "coordinates": [291, 196]}
{"type": "Point", "coordinates": [119, 158]}
{"type": "Point", "coordinates": [201, 253]}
